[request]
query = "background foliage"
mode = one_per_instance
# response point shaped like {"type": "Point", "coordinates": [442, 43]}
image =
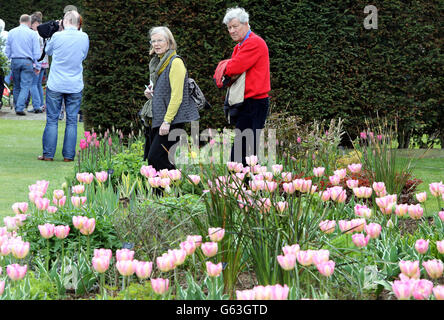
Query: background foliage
{"type": "Point", "coordinates": [324, 63]}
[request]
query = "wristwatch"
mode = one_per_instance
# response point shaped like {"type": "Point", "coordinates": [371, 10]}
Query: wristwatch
{"type": "Point", "coordinates": [166, 122]}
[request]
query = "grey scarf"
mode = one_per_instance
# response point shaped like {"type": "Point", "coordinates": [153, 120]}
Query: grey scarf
{"type": "Point", "coordinates": [155, 65]}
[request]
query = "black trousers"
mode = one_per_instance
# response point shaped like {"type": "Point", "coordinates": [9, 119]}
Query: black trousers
{"type": "Point", "coordinates": [251, 115]}
{"type": "Point", "coordinates": [156, 147]}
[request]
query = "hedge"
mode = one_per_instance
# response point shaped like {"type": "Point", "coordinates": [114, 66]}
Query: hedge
{"type": "Point", "coordinates": [324, 62]}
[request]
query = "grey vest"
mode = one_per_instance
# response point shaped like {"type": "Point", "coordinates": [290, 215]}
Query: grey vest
{"type": "Point", "coordinates": [162, 94]}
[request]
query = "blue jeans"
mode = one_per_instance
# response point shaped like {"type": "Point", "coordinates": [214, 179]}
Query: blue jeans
{"type": "Point", "coordinates": [37, 90]}
{"type": "Point", "coordinates": [22, 74]}
{"type": "Point", "coordinates": [53, 106]}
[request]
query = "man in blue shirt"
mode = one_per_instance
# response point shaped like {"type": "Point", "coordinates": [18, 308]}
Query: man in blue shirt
{"type": "Point", "coordinates": [23, 49]}
{"type": "Point", "coordinates": [68, 49]}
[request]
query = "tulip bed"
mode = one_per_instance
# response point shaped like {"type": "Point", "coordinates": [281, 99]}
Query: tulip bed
{"type": "Point", "coordinates": [295, 229]}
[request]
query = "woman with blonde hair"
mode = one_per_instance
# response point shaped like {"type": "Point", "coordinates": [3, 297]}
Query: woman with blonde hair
{"type": "Point", "coordinates": [169, 104]}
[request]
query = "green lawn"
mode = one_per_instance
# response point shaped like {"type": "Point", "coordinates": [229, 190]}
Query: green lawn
{"type": "Point", "coordinates": [429, 168]}
{"type": "Point", "coordinates": [21, 143]}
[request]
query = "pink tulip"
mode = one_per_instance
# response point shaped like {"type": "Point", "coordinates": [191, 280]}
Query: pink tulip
{"type": "Point", "coordinates": [341, 173]}
{"type": "Point", "coordinates": [143, 269]}
{"type": "Point", "coordinates": [363, 135]}
{"type": "Point", "coordinates": [125, 267]}
{"type": "Point", "coordinates": [327, 226]}
{"type": "Point", "coordinates": [2, 287]}
{"type": "Point", "coordinates": [195, 179]}
{"type": "Point", "coordinates": [422, 246]}
{"type": "Point", "coordinates": [379, 187]}
{"type": "Point", "coordinates": [319, 171]}
{"type": "Point", "coordinates": [209, 249]}
{"type": "Point", "coordinates": [362, 211]}
{"type": "Point", "coordinates": [286, 176]}
{"type": "Point", "coordinates": [403, 289]}
{"type": "Point", "coordinates": [159, 285]}
{"type": "Point", "coordinates": [88, 227]}
{"type": "Point", "coordinates": [175, 175]}
{"type": "Point", "coordinates": [148, 171]}
{"type": "Point", "coordinates": [434, 268]}
{"type": "Point", "coordinates": [179, 256]}
{"type": "Point", "coordinates": [277, 168]}
{"type": "Point", "coordinates": [410, 268]}
{"type": "Point", "coordinates": [325, 195]}
{"type": "Point", "coordinates": [46, 230]}
{"type": "Point", "coordinates": [326, 268]}
{"type": "Point", "coordinates": [288, 188]}
{"type": "Point", "coordinates": [102, 176]}
{"type": "Point", "coordinates": [245, 294]}
{"type": "Point", "coordinates": [440, 246]}
{"type": "Point", "coordinates": [16, 272]}
{"type": "Point", "coordinates": [78, 189]}
{"type": "Point", "coordinates": [320, 256]}
{"type": "Point", "coordinates": [279, 292]}
{"type": "Point", "coordinates": [351, 184]}
{"type": "Point", "coordinates": [10, 223]}
{"type": "Point", "coordinates": [5, 249]}
{"type": "Point", "coordinates": [100, 263]}
{"type": "Point", "coordinates": [20, 207]}
{"type": "Point", "coordinates": [188, 246]}
{"type": "Point", "coordinates": [359, 240]}
{"type": "Point", "coordinates": [78, 201]}
{"type": "Point", "coordinates": [154, 182]}
{"type": "Point", "coordinates": [262, 292]}
{"type": "Point", "coordinates": [281, 206]}
{"type": "Point", "coordinates": [292, 249]}
{"type": "Point", "coordinates": [124, 254]}
{"type": "Point", "coordinates": [438, 292]}
{"type": "Point", "coordinates": [421, 197]}
{"type": "Point", "coordinates": [354, 167]}
{"type": "Point", "coordinates": [441, 215]}
{"type": "Point", "coordinates": [287, 262]}
{"type": "Point", "coordinates": [415, 211]}
{"type": "Point", "coordinates": [197, 239]}
{"type": "Point", "coordinates": [20, 249]}
{"type": "Point", "coordinates": [422, 289]}
{"type": "Point", "coordinates": [334, 180]}
{"type": "Point", "coordinates": [436, 188]}
{"type": "Point", "coordinates": [305, 258]}
{"type": "Point", "coordinates": [216, 234]}
{"type": "Point", "coordinates": [373, 230]}
{"type": "Point", "coordinates": [103, 253]}
{"type": "Point", "coordinates": [401, 209]}
{"type": "Point", "coordinates": [61, 232]}
{"type": "Point", "coordinates": [42, 203]}
{"type": "Point", "coordinates": [83, 144]}
{"type": "Point", "coordinates": [214, 270]}
{"type": "Point", "coordinates": [270, 186]}
{"type": "Point", "coordinates": [363, 192]}
{"type": "Point", "coordinates": [166, 262]}
{"type": "Point", "coordinates": [251, 160]}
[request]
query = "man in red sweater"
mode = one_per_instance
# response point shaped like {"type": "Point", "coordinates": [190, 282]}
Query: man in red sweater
{"type": "Point", "coordinates": [250, 55]}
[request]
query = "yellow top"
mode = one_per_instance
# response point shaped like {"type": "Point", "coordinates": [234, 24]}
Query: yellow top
{"type": "Point", "coordinates": [177, 79]}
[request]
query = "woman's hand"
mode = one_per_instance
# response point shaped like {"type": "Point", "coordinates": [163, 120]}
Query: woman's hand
{"type": "Point", "coordinates": [149, 91]}
{"type": "Point", "coordinates": [164, 129]}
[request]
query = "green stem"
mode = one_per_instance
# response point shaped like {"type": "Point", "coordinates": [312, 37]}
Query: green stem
{"type": "Point", "coordinates": [47, 255]}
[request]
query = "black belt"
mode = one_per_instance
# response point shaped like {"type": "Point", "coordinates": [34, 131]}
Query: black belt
{"type": "Point", "coordinates": [23, 58]}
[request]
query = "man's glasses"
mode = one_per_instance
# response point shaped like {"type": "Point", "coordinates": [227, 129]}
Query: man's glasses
{"type": "Point", "coordinates": [157, 41]}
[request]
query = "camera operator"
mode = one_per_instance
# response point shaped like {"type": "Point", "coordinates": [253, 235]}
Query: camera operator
{"type": "Point", "coordinates": [68, 49]}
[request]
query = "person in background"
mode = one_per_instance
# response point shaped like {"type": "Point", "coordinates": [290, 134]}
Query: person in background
{"type": "Point", "coordinates": [36, 88]}
{"type": "Point", "coordinates": [250, 55]}
{"type": "Point", "coordinates": [69, 48]}
{"type": "Point", "coordinates": [23, 48]}
{"type": "Point", "coordinates": [168, 94]}
{"type": "Point", "coordinates": [3, 37]}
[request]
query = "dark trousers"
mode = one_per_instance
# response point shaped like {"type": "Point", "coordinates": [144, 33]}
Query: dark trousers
{"type": "Point", "coordinates": [251, 115]}
{"type": "Point", "coordinates": [156, 147]}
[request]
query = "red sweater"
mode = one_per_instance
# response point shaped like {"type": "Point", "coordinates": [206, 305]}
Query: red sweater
{"type": "Point", "coordinates": [252, 56]}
